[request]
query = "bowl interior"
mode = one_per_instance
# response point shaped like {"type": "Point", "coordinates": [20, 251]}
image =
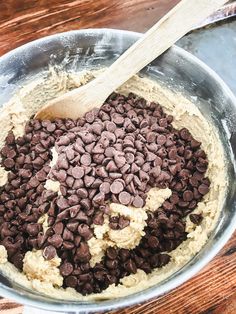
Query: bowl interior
{"type": "Point", "coordinates": [90, 49]}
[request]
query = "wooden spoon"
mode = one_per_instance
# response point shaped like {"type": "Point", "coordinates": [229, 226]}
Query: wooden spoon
{"type": "Point", "coordinates": [175, 24]}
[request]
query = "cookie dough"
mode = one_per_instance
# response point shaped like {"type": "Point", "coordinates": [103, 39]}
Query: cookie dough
{"type": "Point", "coordinates": [3, 255]}
{"type": "Point", "coordinates": [36, 267]}
{"type": "Point", "coordinates": [127, 238]}
{"type": "Point", "coordinates": [43, 276]}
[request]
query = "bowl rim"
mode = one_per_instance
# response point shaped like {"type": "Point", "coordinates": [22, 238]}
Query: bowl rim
{"type": "Point", "coordinates": [152, 292]}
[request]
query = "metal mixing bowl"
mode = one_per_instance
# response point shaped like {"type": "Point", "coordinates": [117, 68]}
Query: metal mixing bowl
{"type": "Point", "coordinates": [176, 69]}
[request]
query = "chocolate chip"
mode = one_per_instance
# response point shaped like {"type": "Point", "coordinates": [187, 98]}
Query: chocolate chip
{"type": "Point", "coordinates": [85, 231]}
{"type": "Point", "coordinates": [187, 195]}
{"type": "Point", "coordinates": [109, 151]}
{"type": "Point", "coordinates": [116, 187]}
{"type": "Point", "coordinates": [98, 218]}
{"type": "Point", "coordinates": [8, 163]}
{"type": "Point", "coordinates": [164, 259]}
{"type": "Point", "coordinates": [62, 203]}
{"type": "Point", "coordinates": [111, 166]}
{"type": "Point", "coordinates": [11, 153]}
{"type": "Point", "coordinates": [70, 153]}
{"type": "Point", "coordinates": [129, 158]}
{"type": "Point", "coordinates": [82, 193]}
{"type": "Point", "coordinates": [77, 184]}
{"type": "Point", "coordinates": [49, 252]}
{"type": "Point", "coordinates": [71, 281]}
{"type": "Point", "coordinates": [90, 116]}
{"type": "Point", "coordinates": [120, 160]}
{"type": "Point", "coordinates": [98, 149]}
{"type": "Point", "coordinates": [55, 240]}
{"type": "Point", "coordinates": [73, 200]}
{"type": "Point", "coordinates": [99, 198]}
{"type": "Point", "coordinates": [51, 127]}
{"type": "Point", "coordinates": [10, 139]}
{"type": "Point", "coordinates": [86, 159]}
{"type": "Point", "coordinates": [124, 198]}
{"type": "Point", "coordinates": [111, 253]}
{"type": "Point", "coordinates": [62, 162]}
{"type": "Point", "coordinates": [196, 218]}
{"type": "Point", "coordinates": [97, 128]}
{"type": "Point", "coordinates": [88, 180]}
{"type": "Point", "coordinates": [63, 140]}
{"type": "Point", "coordinates": [73, 210]}
{"type": "Point", "coordinates": [33, 229]}
{"type": "Point", "coordinates": [115, 175]}
{"type": "Point", "coordinates": [194, 182]}
{"type": "Point", "coordinates": [86, 203]}
{"type": "Point", "coordinates": [60, 175]}
{"type": "Point", "coordinates": [105, 187]}
{"type": "Point", "coordinates": [41, 176]}
{"type": "Point", "coordinates": [118, 119]}
{"type": "Point", "coordinates": [161, 139]}
{"type": "Point", "coordinates": [77, 172]}
{"type": "Point", "coordinates": [195, 144]}
{"type": "Point", "coordinates": [114, 222]}
{"type": "Point", "coordinates": [151, 137]}
{"type": "Point", "coordinates": [82, 253]}
{"type": "Point", "coordinates": [17, 260]}
{"type": "Point", "coordinates": [124, 254]}
{"type": "Point", "coordinates": [138, 201]}
{"type": "Point", "coordinates": [203, 189]}
{"type": "Point", "coordinates": [68, 235]}
{"type": "Point", "coordinates": [77, 240]}
{"type": "Point", "coordinates": [58, 228]}
{"type": "Point", "coordinates": [201, 167]}
{"type": "Point", "coordinates": [101, 172]}
{"type": "Point", "coordinates": [110, 126]}
{"type": "Point", "coordinates": [66, 269]}
{"type": "Point", "coordinates": [136, 181]}
{"type": "Point", "coordinates": [134, 168]}
{"type": "Point", "coordinates": [123, 222]}
{"type": "Point", "coordinates": [184, 134]}
{"type": "Point", "coordinates": [197, 175]}
{"type": "Point", "coordinates": [130, 266]}
{"type": "Point", "coordinates": [153, 242]}
{"type": "Point", "coordinates": [183, 204]}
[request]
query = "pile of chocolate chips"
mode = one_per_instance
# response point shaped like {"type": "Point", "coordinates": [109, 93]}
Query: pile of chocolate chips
{"type": "Point", "coordinates": [114, 154]}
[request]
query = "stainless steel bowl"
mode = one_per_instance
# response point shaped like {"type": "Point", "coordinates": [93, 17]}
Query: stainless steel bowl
{"type": "Point", "coordinates": [178, 70]}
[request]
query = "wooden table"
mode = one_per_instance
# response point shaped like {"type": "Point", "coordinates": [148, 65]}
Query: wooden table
{"type": "Point", "coordinates": [213, 290]}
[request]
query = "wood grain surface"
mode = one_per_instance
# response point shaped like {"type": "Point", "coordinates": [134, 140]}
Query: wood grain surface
{"type": "Point", "coordinates": [213, 290]}
{"type": "Point", "coordinates": [25, 20]}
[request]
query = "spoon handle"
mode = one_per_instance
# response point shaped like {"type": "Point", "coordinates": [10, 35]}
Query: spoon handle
{"type": "Point", "coordinates": [174, 25]}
